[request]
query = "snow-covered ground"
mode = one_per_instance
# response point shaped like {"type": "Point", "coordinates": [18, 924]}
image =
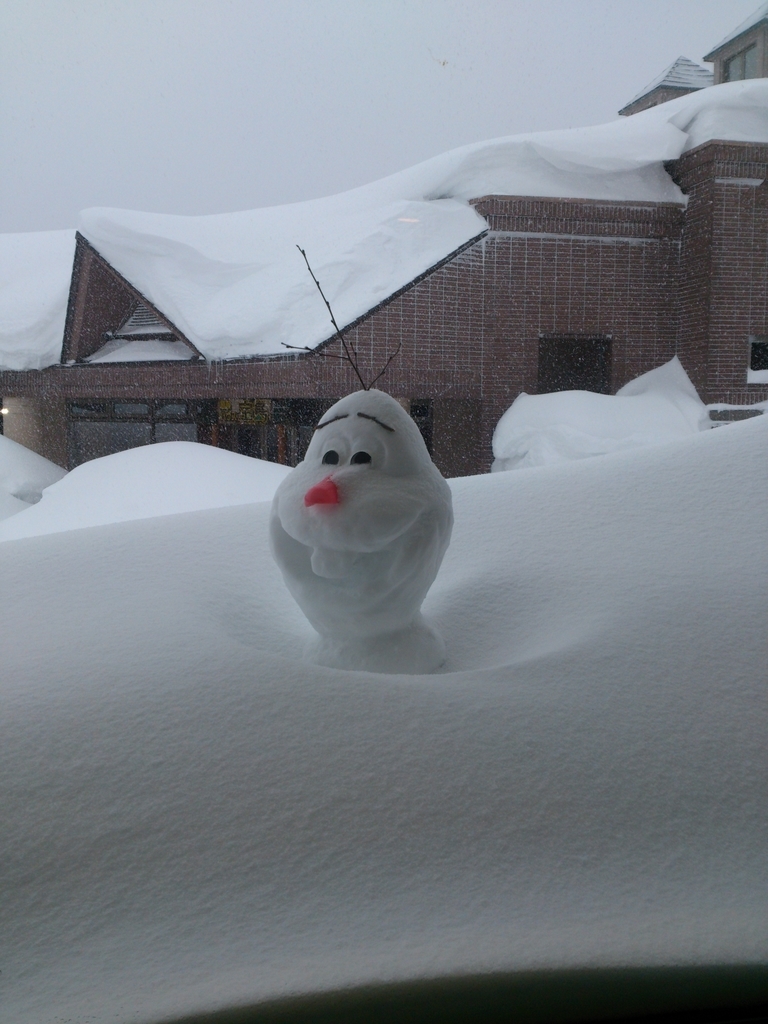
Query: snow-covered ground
{"type": "Point", "coordinates": [194, 817]}
{"type": "Point", "coordinates": [156, 480]}
{"type": "Point", "coordinates": [236, 285]}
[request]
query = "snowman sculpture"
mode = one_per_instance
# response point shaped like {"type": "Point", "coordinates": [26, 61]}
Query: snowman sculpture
{"type": "Point", "coordinates": [359, 530]}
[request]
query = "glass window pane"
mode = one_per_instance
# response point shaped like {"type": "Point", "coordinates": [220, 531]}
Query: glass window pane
{"type": "Point", "coordinates": [92, 440]}
{"type": "Point", "coordinates": [734, 68]}
{"type": "Point", "coordinates": [175, 432]}
{"type": "Point", "coordinates": [750, 62]}
{"type": "Point", "coordinates": [139, 409]}
{"type": "Point", "coordinates": [759, 355]}
{"type": "Point", "coordinates": [89, 408]}
{"type": "Point", "coordinates": [170, 410]}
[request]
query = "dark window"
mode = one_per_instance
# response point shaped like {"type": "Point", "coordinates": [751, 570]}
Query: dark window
{"type": "Point", "coordinates": [742, 65]}
{"type": "Point", "coordinates": [95, 438]}
{"type": "Point", "coordinates": [574, 363]}
{"type": "Point", "coordinates": [134, 410]}
{"type": "Point", "coordinates": [758, 354]}
{"type": "Point", "coordinates": [421, 414]}
{"type": "Point", "coordinates": [103, 428]}
{"type": "Point", "coordinates": [90, 410]}
{"type": "Point", "coordinates": [171, 411]}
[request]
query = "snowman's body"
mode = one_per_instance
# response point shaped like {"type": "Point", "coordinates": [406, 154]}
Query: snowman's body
{"type": "Point", "coordinates": [359, 530]}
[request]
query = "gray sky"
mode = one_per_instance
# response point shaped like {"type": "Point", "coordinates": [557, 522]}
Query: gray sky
{"type": "Point", "coordinates": [204, 106]}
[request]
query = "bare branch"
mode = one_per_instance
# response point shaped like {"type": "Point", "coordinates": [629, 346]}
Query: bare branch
{"type": "Point", "coordinates": [351, 358]}
{"type": "Point", "coordinates": [313, 351]}
{"type": "Point", "coordinates": [386, 365]}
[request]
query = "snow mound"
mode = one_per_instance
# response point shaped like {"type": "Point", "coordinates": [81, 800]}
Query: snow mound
{"type": "Point", "coordinates": [195, 818]}
{"type": "Point", "coordinates": [156, 480]}
{"type": "Point", "coordinates": [236, 286]}
{"type": "Point", "coordinates": [23, 476]}
{"type": "Point", "coordinates": [538, 430]}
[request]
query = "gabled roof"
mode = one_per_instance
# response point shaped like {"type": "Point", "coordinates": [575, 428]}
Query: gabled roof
{"type": "Point", "coordinates": [109, 320]}
{"type": "Point", "coordinates": [761, 14]}
{"type": "Point", "coordinates": [683, 74]}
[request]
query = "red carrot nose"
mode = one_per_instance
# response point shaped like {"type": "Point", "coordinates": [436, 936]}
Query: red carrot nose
{"type": "Point", "coordinates": [324, 493]}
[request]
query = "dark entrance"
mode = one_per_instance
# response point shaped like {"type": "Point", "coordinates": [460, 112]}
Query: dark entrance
{"type": "Point", "coordinates": [574, 363]}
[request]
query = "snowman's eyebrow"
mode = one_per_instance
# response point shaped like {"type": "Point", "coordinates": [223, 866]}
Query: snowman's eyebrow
{"type": "Point", "coordinates": [343, 416]}
{"type": "Point", "coordinates": [367, 417]}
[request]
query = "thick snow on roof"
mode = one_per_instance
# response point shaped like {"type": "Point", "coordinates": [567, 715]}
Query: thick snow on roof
{"type": "Point", "coordinates": [196, 818]}
{"type": "Point", "coordinates": [236, 285]}
{"type": "Point", "coordinates": [761, 14]}
{"type": "Point", "coordinates": [35, 271]}
{"type": "Point", "coordinates": [682, 74]}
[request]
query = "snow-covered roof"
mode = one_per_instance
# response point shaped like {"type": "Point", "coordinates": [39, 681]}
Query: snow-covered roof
{"type": "Point", "coordinates": [761, 14]}
{"type": "Point", "coordinates": [35, 271]}
{"type": "Point", "coordinates": [236, 286]}
{"type": "Point", "coordinates": [681, 74]}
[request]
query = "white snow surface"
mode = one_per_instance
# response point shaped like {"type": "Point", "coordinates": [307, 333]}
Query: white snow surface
{"type": "Point", "coordinates": [35, 271]}
{"type": "Point", "coordinates": [195, 818]}
{"type": "Point", "coordinates": [155, 480]}
{"type": "Point", "coordinates": [658, 406]}
{"type": "Point", "coordinates": [236, 286]}
{"type": "Point", "coordinates": [23, 476]}
{"type": "Point", "coordinates": [141, 350]}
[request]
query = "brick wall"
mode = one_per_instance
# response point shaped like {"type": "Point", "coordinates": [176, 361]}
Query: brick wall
{"type": "Point", "coordinates": [724, 267]}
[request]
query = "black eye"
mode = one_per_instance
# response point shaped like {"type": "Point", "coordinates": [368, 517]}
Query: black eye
{"type": "Point", "coordinates": [359, 457]}
{"type": "Point", "coordinates": [330, 458]}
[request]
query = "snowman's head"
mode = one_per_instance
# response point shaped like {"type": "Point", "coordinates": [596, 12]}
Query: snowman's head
{"type": "Point", "coordinates": [369, 430]}
{"type": "Point", "coordinates": [366, 478]}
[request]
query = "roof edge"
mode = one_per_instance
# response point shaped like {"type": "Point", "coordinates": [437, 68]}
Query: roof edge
{"type": "Point", "coordinates": [710, 57]}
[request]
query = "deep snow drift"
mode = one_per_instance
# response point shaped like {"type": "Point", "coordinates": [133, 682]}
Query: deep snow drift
{"type": "Point", "coordinates": [194, 817]}
{"type": "Point", "coordinates": [156, 480]}
{"type": "Point", "coordinates": [236, 286]}
{"type": "Point", "coordinates": [23, 476]}
{"type": "Point", "coordinates": [539, 430]}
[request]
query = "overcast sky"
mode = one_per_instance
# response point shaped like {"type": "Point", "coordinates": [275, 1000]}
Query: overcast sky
{"type": "Point", "coordinates": [204, 106]}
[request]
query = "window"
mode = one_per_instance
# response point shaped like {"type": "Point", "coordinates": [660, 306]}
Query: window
{"type": "Point", "coordinates": [742, 65]}
{"type": "Point", "coordinates": [421, 414]}
{"type": "Point", "coordinates": [105, 427]}
{"type": "Point", "coordinates": [757, 368]}
{"type": "Point", "coordinates": [574, 363]}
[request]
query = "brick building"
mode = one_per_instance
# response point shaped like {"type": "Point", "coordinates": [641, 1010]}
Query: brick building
{"type": "Point", "coordinates": [551, 294]}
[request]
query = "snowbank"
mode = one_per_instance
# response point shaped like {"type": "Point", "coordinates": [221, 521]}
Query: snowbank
{"type": "Point", "coordinates": [156, 480]}
{"type": "Point", "coordinates": [23, 475]}
{"type": "Point", "coordinates": [538, 430]}
{"type": "Point", "coordinates": [236, 285]}
{"type": "Point", "coordinates": [194, 818]}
